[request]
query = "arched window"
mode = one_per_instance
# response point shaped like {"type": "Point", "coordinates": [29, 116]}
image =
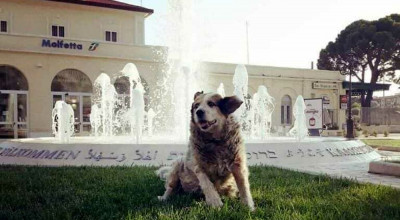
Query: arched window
{"type": "Point", "coordinates": [12, 79]}
{"type": "Point", "coordinates": [71, 80]}
{"type": "Point", "coordinates": [286, 110]}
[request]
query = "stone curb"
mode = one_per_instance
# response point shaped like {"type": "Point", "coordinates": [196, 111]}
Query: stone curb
{"type": "Point", "coordinates": [386, 168]}
{"type": "Point", "coordinates": [387, 148]}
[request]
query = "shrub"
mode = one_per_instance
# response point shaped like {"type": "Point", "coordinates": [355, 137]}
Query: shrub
{"type": "Point", "coordinates": [374, 134]}
{"type": "Point", "coordinates": [356, 105]}
{"type": "Point", "coordinates": [386, 133]}
{"type": "Point", "coordinates": [365, 133]}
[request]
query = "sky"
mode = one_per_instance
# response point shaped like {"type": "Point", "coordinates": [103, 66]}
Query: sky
{"type": "Point", "coordinates": [286, 33]}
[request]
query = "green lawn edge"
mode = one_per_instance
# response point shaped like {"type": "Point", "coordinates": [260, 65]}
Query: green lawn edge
{"type": "Point", "coordinates": [28, 192]}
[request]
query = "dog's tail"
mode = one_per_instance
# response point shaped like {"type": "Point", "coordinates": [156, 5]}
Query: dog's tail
{"type": "Point", "coordinates": [163, 172]}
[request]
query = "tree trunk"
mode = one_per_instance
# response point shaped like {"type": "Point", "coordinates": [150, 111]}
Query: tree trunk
{"type": "Point", "coordinates": [366, 104]}
{"type": "Point", "coordinates": [362, 97]}
{"type": "Point", "coordinates": [368, 98]}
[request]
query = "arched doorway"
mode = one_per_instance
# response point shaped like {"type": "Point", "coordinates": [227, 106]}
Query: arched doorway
{"type": "Point", "coordinates": [13, 103]}
{"type": "Point", "coordinates": [286, 110]}
{"type": "Point", "coordinates": [75, 88]}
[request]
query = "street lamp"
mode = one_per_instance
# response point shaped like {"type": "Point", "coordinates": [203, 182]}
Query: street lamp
{"type": "Point", "coordinates": [349, 121]}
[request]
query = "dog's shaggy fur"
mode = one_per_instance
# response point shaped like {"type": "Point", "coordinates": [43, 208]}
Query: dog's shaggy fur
{"type": "Point", "coordinates": [215, 163]}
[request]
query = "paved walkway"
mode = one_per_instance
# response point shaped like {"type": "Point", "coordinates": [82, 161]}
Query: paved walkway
{"type": "Point", "coordinates": [355, 171]}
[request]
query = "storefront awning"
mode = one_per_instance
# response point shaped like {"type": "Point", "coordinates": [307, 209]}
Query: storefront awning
{"type": "Point", "coordinates": [365, 86]}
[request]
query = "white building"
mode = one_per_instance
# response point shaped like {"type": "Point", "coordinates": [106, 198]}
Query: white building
{"type": "Point", "coordinates": [55, 49]}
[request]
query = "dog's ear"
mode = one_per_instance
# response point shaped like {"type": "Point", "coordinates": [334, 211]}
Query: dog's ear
{"type": "Point", "coordinates": [197, 94]}
{"type": "Point", "coordinates": [228, 105]}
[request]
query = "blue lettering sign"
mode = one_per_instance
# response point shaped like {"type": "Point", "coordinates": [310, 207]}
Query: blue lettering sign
{"type": "Point", "coordinates": [61, 44]}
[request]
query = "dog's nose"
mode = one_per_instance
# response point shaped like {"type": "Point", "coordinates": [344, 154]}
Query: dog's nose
{"type": "Point", "coordinates": [200, 113]}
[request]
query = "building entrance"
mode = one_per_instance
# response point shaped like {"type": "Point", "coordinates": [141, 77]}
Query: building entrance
{"type": "Point", "coordinates": [14, 109]}
{"type": "Point", "coordinates": [81, 104]}
{"type": "Point", "coordinates": [13, 114]}
{"type": "Point", "coordinates": [75, 88]}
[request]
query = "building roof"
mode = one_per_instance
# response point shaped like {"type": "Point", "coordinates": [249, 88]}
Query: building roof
{"type": "Point", "coordinates": [108, 4]}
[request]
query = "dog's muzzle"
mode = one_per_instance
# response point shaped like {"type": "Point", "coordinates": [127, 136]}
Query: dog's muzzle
{"type": "Point", "coordinates": [206, 124]}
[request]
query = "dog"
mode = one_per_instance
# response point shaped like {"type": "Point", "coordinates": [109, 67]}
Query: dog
{"type": "Point", "coordinates": [215, 163]}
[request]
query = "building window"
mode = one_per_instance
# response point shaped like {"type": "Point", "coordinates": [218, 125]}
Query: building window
{"type": "Point", "coordinates": [111, 36]}
{"type": "Point", "coordinates": [71, 80]}
{"type": "Point", "coordinates": [12, 79]}
{"type": "Point", "coordinates": [286, 110]}
{"type": "Point", "coordinates": [57, 31]}
{"type": "Point", "coordinates": [3, 26]}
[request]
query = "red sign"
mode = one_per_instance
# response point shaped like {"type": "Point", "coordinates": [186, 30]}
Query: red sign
{"type": "Point", "coordinates": [343, 101]}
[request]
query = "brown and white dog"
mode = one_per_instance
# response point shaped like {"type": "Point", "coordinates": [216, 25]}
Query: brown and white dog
{"type": "Point", "coordinates": [215, 163]}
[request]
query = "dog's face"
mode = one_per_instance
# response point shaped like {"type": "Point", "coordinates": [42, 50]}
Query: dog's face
{"type": "Point", "coordinates": [210, 110]}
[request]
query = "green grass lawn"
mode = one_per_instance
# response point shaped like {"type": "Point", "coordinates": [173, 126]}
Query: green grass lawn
{"type": "Point", "coordinates": [382, 142]}
{"type": "Point", "coordinates": [130, 193]}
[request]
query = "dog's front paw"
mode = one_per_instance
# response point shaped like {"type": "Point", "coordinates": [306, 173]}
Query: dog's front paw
{"type": "Point", "coordinates": [214, 201]}
{"type": "Point", "coordinates": [161, 198]}
{"type": "Point", "coordinates": [250, 203]}
{"type": "Point", "coordinates": [251, 206]}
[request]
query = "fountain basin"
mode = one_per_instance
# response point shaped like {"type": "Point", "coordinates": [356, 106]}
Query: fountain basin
{"type": "Point", "coordinates": [122, 151]}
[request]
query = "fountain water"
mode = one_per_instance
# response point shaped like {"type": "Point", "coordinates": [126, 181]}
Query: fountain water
{"type": "Point", "coordinates": [63, 121]}
{"type": "Point", "coordinates": [240, 84]}
{"type": "Point", "coordinates": [110, 116]}
{"type": "Point", "coordinates": [179, 79]}
{"type": "Point", "coordinates": [262, 106]}
{"type": "Point", "coordinates": [150, 117]}
{"type": "Point", "coordinates": [95, 120]}
{"type": "Point", "coordinates": [103, 100]}
{"type": "Point", "coordinates": [299, 130]}
{"type": "Point", "coordinates": [221, 90]}
{"type": "Point", "coordinates": [137, 105]}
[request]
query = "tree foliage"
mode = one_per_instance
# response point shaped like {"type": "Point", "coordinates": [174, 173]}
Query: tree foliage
{"type": "Point", "coordinates": [365, 45]}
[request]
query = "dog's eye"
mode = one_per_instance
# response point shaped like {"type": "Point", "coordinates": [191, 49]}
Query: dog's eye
{"type": "Point", "coordinates": [211, 104]}
{"type": "Point", "coordinates": [196, 105]}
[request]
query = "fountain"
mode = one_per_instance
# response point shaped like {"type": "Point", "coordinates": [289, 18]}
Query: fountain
{"type": "Point", "coordinates": [63, 121]}
{"type": "Point", "coordinates": [110, 116]}
{"type": "Point", "coordinates": [120, 121]}
{"type": "Point", "coordinates": [299, 130]}
{"type": "Point", "coordinates": [103, 100]}
{"type": "Point", "coordinates": [150, 118]}
{"type": "Point", "coordinates": [137, 105]}
{"type": "Point", "coordinates": [262, 106]}
{"type": "Point", "coordinates": [240, 84]}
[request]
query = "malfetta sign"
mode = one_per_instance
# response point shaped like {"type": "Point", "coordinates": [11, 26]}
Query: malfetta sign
{"type": "Point", "coordinates": [323, 85]}
{"type": "Point", "coordinates": [61, 44]}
